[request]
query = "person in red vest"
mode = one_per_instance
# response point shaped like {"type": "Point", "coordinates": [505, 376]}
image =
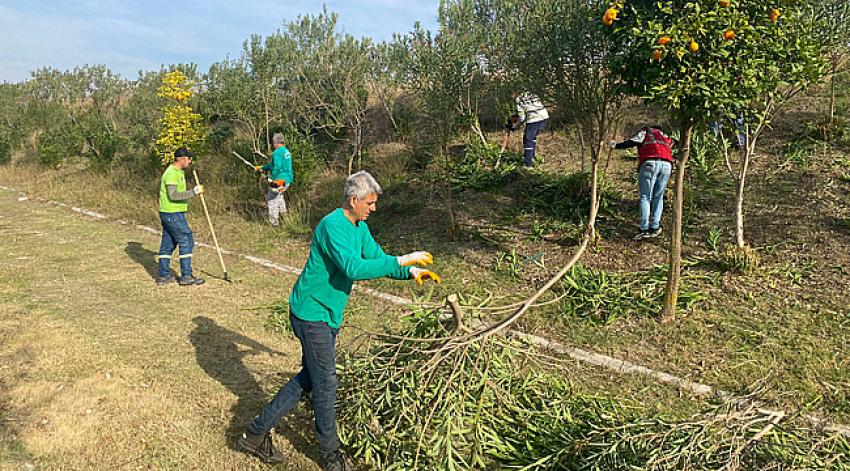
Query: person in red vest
{"type": "Point", "coordinates": [655, 164]}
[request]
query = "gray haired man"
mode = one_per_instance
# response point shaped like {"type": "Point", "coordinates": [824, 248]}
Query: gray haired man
{"type": "Point", "coordinates": [280, 178]}
{"type": "Point", "coordinates": [342, 252]}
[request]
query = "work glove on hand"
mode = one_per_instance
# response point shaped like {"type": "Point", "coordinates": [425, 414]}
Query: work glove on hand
{"type": "Point", "coordinates": [421, 258]}
{"type": "Point", "coordinates": [258, 168]}
{"type": "Point", "coordinates": [420, 275]}
{"type": "Point", "coordinates": [198, 189]}
{"type": "Point", "coordinates": [612, 144]}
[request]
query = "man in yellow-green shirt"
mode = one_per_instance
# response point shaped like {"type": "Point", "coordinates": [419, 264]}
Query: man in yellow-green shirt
{"type": "Point", "coordinates": [173, 203]}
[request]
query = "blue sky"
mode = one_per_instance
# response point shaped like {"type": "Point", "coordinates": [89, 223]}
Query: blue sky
{"type": "Point", "coordinates": [128, 36]}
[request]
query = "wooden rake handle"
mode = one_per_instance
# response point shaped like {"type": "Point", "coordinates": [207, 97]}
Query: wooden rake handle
{"type": "Point", "coordinates": [212, 231]}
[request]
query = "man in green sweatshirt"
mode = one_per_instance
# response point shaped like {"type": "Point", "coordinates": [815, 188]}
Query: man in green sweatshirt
{"type": "Point", "coordinates": [342, 251]}
{"type": "Point", "coordinates": [280, 177]}
{"type": "Point", "coordinates": [173, 203]}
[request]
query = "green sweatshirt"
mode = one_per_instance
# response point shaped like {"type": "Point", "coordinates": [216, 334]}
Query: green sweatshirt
{"type": "Point", "coordinates": [340, 254]}
{"type": "Point", "coordinates": [280, 168]}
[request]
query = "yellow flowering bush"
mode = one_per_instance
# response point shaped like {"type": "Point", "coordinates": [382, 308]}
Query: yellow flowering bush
{"type": "Point", "coordinates": [179, 125]}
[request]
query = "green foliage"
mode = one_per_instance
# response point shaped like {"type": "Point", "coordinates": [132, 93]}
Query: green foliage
{"type": "Point", "coordinates": [278, 319]}
{"type": "Point", "coordinates": [220, 135]}
{"type": "Point", "coordinates": [739, 260]}
{"type": "Point", "coordinates": [57, 143]}
{"type": "Point", "coordinates": [799, 152]}
{"type": "Point", "coordinates": [5, 150]}
{"type": "Point", "coordinates": [706, 157]}
{"type": "Point", "coordinates": [699, 71]}
{"type": "Point", "coordinates": [828, 130]}
{"type": "Point", "coordinates": [712, 239]}
{"type": "Point", "coordinates": [307, 160]}
{"type": "Point", "coordinates": [446, 73]}
{"type": "Point", "coordinates": [412, 401]}
{"type": "Point", "coordinates": [102, 140]}
{"type": "Point", "coordinates": [605, 297]}
{"type": "Point", "coordinates": [509, 262]}
{"type": "Point", "coordinates": [564, 198]}
{"type": "Point", "coordinates": [482, 166]}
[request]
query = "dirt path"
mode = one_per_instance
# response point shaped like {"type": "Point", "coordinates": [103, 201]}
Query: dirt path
{"type": "Point", "coordinates": [100, 368]}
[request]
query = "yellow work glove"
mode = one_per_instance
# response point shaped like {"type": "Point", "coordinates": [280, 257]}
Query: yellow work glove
{"type": "Point", "coordinates": [198, 189]}
{"type": "Point", "coordinates": [415, 258]}
{"type": "Point", "coordinates": [258, 168]}
{"type": "Point", "coordinates": [421, 275]}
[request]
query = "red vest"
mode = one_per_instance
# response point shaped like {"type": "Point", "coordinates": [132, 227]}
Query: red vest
{"type": "Point", "coordinates": [655, 145]}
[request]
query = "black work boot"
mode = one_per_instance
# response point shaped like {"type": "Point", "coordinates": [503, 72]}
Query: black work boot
{"type": "Point", "coordinates": [164, 280]}
{"type": "Point", "coordinates": [336, 461]}
{"type": "Point", "coordinates": [260, 446]}
{"type": "Point", "coordinates": [190, 280]}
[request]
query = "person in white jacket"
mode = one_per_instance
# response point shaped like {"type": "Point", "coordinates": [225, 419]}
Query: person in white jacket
{"type": "Point", "coordinates": [531, 112]}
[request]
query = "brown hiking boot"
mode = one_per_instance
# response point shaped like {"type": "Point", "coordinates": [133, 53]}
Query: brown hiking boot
{"type": "Point", "coordinates": [260, 446]}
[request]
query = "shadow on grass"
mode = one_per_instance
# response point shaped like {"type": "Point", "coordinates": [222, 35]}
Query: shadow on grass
{"type": "Point", "coordinates": [143, 256]}
{"type": "Point", "coordinates": [220, 352]}
{"type": "Point", "coordinates": [839, 225]}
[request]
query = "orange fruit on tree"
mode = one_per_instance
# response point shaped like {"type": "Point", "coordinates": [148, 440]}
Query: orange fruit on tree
{"type": "Point", "coordinates": [693, 46]}
{"type": "Point", "coordinates": [774, 14]}
{"type": "Point", "coordinates": [729, 35]}
{"type": "Point", "coordinates": [656, 54]}
{"type": "Point", "coordinates": [607, 21]}
{"type": "Point", "coordinates": [724, 3]}
{"type": "Point", "coordinates": [664, 40]}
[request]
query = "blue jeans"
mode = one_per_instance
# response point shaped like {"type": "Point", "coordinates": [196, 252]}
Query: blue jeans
{"type": "Point", "coordinates": [318, 375]}
{"type": "Point", "coordinates": [741, 138]}
{"type": "Point", "coordinates": [175, 232]}
{"type": "Point", "coordinates": [652, 180]}
{"type": "Point", "coordinates": [529, 140]}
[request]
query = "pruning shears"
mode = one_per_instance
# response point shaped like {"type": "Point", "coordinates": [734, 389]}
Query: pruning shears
{"type": "Point", "coordinates": [277, 184]}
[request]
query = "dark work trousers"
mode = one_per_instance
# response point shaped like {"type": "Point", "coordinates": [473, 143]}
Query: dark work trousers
{"type": "Point", "coordinates": [318, 375]}
{"type": "Point", "coordinates": [529, 140]}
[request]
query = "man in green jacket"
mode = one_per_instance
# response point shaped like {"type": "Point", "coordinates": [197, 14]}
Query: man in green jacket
{"type": "Point", "coordinates": [173, 203]}
{"type": "Point", "coordinates": [342, 251]}
{"type": "Point", "coordinates": [280, 177]}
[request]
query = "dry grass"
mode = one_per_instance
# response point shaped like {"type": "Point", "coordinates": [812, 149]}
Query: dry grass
{"type": "Point", "coordinates": [104, 370]}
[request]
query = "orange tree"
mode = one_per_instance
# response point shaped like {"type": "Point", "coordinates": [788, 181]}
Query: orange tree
{"type": "Point", "coordinates": [701, 59]}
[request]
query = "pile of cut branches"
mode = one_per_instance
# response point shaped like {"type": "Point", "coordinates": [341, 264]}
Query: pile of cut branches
{"type": "Point", "coordinates": [421, 399]}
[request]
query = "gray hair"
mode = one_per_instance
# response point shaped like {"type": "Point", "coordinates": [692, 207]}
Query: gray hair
{"type": "Point", "coordinates": [277, 138]}
{"type": "Point", "coordinates": [360, 185]}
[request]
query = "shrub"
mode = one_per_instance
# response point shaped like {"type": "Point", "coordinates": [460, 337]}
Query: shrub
{"type": "Point", "coordinates": [102, 140]}
{"type": "Point", "coordinates": [742, 260]}
{"type": "Point", "coordinates": [482, 166]}
{"type": "Point", "coordinates": [5, 150]}
{"type": "Point", "coordinates": [604, 297]}
{"type": "Point", "coordinates": [220, 135]}
{"type": "Point", "coordinates": [57, 143]}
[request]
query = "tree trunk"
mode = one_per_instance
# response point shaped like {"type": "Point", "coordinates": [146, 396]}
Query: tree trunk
{"type": "Point", "coordinates": [268, 121]}
{"type": "Point", "coordinates": [582, 146]}
{"type": "Point", "coordinates": [832, 94]}
{"type": "Point", "coordinates": [674, 257]}
{"type": "Point", "coordinates": [739, 198]}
